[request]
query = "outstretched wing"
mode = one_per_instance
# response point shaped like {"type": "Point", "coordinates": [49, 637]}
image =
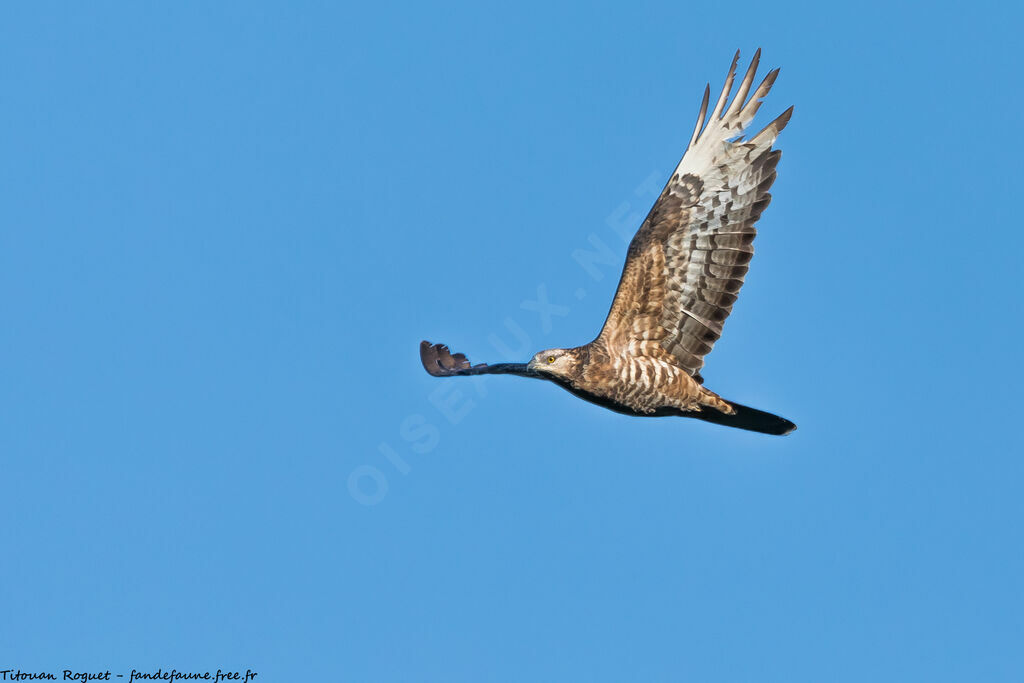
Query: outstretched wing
{"type": "Point", "coordinates": [440, 362]}
{"type": "Point", "coordinates": [686, 264]}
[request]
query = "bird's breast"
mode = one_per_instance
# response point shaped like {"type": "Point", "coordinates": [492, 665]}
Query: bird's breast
{"type": "Point", "coordinates": [640, 382]}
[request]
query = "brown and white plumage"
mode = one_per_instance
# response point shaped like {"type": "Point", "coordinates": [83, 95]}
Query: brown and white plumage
{"type": "Point", "coordinates": [684, 269]}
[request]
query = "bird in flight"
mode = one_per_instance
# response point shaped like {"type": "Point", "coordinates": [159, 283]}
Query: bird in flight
{"type": "Point", "coordinates": [683, 271]}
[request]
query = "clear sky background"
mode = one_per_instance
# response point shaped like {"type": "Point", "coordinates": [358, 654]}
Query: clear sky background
{"type": "Point", "coordinates": [226, 227]}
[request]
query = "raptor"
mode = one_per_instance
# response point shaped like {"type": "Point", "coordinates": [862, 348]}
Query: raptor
{"type": "Point", "coordinates": [684, 269]}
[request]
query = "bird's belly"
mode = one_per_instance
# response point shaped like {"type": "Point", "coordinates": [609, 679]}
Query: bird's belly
{"type": "Point", "coordinates": [645, 384]}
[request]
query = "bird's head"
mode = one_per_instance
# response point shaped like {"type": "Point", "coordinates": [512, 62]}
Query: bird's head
{"type": "Point", "coordinates": [558, 362]}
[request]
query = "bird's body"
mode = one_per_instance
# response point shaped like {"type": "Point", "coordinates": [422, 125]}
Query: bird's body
{"type": "Point", "coordinates": [683, 271]}
{"type": "Point", "coordinates": [640, 376]}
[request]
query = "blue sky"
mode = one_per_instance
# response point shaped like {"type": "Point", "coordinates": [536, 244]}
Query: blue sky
{"type": "Point", "coordinates": [226, 228]}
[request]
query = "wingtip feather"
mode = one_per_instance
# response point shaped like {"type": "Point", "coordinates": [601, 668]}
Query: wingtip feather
{"type": "Point", "coordinates": [772, 130]}
{"type": "Point", "coordinates": [748, 79]}
{"type": "Point", "coordinates": [726, 88]}
{"type": "Point", "coordinates": [702, 115]}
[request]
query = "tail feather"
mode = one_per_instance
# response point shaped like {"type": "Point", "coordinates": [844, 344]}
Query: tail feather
{"type": "Point", "coordinates": [748, 418]}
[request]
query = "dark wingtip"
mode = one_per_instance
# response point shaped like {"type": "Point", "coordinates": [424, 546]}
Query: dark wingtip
{"type": "Point", "coordinates": [760, 421]}
{"type": "Point", "coordinates": [787, 426]}
{"type": "Point", "coordinates": [748, 418]}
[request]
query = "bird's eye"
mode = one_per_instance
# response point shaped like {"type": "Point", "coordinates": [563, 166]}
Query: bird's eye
{"type": "Point", "coordinates": [551, 359]}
